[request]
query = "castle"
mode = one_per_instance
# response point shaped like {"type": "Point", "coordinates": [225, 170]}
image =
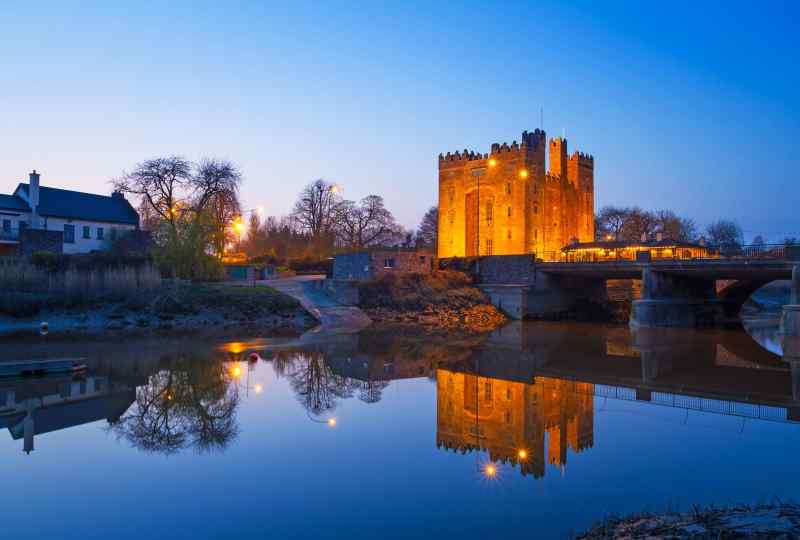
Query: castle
{"type": "Point", "coordinates": [506, 202]}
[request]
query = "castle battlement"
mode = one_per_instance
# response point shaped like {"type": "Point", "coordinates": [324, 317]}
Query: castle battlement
{"type": "Point", "coordinates": [583, 158]}
{"type": "Point", "coordinates": [466, 155]}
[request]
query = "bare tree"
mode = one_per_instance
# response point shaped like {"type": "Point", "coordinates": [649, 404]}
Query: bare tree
{"type": "Point", "coordinates": [159, 183]}
{"type": "Point", "coordinates": [316, 208]}
{"type": "Point", "coordinates": [725, 233]}
{"type": "Point", "coordinates": [610, 222]}
{"type": "Point", "coordinates": [428, 231]}
{"type": "Point", "coordinates": [674, 227]}
{"type": "Point", "coordinates": [365, 224]}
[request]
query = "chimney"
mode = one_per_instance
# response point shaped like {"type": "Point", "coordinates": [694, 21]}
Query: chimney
{"type": "Point", "coordinates": [33, 198]}
{"type": "Point", "coordinates": [118, 195]}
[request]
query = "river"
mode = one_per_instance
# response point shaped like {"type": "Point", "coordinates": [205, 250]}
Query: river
{"type": "Point", "coordinates": [535, 431]}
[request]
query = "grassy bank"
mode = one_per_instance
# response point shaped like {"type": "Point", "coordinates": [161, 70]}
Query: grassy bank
{"type": "Point", "coordinates": [172, 306]}
{"type": "Point", "coordinates": [443, 299]}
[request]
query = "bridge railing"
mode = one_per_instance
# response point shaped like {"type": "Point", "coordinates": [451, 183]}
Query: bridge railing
{"type": "Point", "coordinates": [756, 252]}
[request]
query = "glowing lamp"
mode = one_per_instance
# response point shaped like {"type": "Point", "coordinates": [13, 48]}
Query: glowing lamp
{"type": "Point", "coordinates": [523, 173]}
{"type": "Point", "coordinates": [490, 471]}
{"type": "Point", "coordinates": [259, 388]}
{"type": "Point", "coordinates": [522, 454]}
{"type": "Point", "coordinates": [332, 422]}
{"type": "Point", "coordinates": [334, 189]}
{"type": "Point", "coordinates": [492, 162]}
{"type": "Point", "coordinates": [236, 372]}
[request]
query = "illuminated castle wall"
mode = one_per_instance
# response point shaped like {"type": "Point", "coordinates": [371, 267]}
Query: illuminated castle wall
{"type": "Point", "coordinates": [506, 203]}
{"type": "Point", "coordinates": [505, 417]}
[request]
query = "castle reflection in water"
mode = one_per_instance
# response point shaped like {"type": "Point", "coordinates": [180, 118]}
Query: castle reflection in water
{"type": "Point", "coordinates": [524, 396]}
{"type": "Point", "coordinates": [517, 423]}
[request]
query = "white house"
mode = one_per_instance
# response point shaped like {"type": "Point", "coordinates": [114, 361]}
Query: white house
{"type": "Point", "coordinates": [87, 221]}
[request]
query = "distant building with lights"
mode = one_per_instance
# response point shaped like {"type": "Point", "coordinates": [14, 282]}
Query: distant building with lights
{"type": "Point", "coordinates": [658, 249]}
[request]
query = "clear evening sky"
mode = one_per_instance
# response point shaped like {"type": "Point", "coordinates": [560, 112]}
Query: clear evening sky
{"type": "Point", "coordinates": [688, 106]}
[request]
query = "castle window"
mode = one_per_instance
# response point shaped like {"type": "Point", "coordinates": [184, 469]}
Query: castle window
{"type": "Point", "coordinates": [536, 234]}
{"type": "Point", "coordinates": [509, 211]}
{"type": "Point", "coordinates": [508, 394]}
{"type": "Point", "coordinates": [508, 417]}
{"type": "Point", "coordinates": [451, 192]}
{"type": "Point", "coordinates": [509, 234]}
{"type": "Point", "coordinates": [489, 246]}
{"type": "Point", "coordinates": [487, 391]}
{"type": "Point", "coordinates": [489, 211]}
{"type": "Point", "coordinates": [535, 208]}
{"type": "Point", "coordinates": [508, 188]}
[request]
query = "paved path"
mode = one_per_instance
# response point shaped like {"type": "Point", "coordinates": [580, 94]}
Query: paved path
{"type": "Point", "coordinates": [333, 317]}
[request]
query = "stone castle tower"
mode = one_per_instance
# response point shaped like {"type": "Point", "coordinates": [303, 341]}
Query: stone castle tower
{"type": "Point", "coordinates": [506, 202]}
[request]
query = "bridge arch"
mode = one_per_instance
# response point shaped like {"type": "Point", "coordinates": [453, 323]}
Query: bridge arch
{"type": "Point", "coordinates": [735, 294]}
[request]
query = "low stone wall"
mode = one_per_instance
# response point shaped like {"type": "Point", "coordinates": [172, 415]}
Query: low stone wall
{"type": "Point", "coordinates": [507, 269]}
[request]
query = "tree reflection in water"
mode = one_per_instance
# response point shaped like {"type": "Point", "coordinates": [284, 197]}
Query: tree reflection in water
{"type": "Point", "coordinates": [317, 387]}
{"type": "Point", "coordinates": [192, 405]}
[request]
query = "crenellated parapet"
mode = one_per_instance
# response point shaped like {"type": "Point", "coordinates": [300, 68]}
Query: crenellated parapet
{"type": "Point", "coordinates": [466, 155]}
{"type": "Point", "coordinates": [583, 159]}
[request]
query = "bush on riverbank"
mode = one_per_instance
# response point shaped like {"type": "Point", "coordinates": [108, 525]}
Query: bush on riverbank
{"type": "Point", "coordinates": [444, 298]}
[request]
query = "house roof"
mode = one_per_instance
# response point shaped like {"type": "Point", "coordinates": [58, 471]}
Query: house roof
{"type": "Point", "coordinates": [12, 202]}
{"type": "Point", "coordinates": [63, 203]}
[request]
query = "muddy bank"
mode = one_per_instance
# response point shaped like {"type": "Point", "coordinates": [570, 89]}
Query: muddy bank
{"type": "Point", "coordinates": [193, 308]}
{"type": "Point", "coordinates": [441, 301]}
{"type": "Point", "coordinates": [776, 521]}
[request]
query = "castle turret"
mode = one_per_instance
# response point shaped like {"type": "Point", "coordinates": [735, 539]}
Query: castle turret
{"type": "Point", "coordinates": [558, 157]}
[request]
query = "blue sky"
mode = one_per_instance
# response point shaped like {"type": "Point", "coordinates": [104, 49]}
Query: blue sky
{"type": "Point", "coordinates": [688, 106]}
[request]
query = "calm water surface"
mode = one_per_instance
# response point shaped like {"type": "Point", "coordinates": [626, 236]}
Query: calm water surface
{"type": "Point", "coordinates": [534, 432]}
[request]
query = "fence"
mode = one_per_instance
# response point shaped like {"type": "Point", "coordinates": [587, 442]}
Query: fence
{"type": "Point", "coordinates": [19, 275]}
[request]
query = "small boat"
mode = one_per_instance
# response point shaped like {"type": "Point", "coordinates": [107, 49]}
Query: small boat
{"type": "Point", "coordinates": [28, 368]}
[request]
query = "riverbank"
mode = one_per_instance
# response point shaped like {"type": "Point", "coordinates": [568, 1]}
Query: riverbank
{"type": "Point", "coordinates": [441, 301]}
{"type": "Point", "coordinates": [776, 521]}
{"type": "Point", "coordinates": [213, 309]}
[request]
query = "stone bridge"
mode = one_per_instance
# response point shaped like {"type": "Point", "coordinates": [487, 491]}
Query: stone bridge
{"type": "Point", "coordinates": [674, 293]}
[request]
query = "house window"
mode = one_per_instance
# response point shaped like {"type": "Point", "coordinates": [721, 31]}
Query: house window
{"type": "Point", "coordinates": [113, 234]}
{"type": "Point", "coordinates": [69, 234]}
{"type": "Point", "coordinates": [388, 262]}
{"type": "Point", "coordinates": [100, 232]}
{"type": "Point", "coordinates": [6, 226]}
{"type": "Point", "coordinates": [87, 232]}
{"type": "Point", "coordinates": [509, 211]}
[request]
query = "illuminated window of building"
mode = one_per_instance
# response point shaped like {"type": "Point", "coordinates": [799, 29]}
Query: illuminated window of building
{"type": "Point", "coordinates": [489, 246]}
{"type": "Point", "coordinates": [487, 391]}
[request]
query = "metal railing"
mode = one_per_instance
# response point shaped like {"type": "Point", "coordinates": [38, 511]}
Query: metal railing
{"type": "Point", "coordinates": [760, 252]}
